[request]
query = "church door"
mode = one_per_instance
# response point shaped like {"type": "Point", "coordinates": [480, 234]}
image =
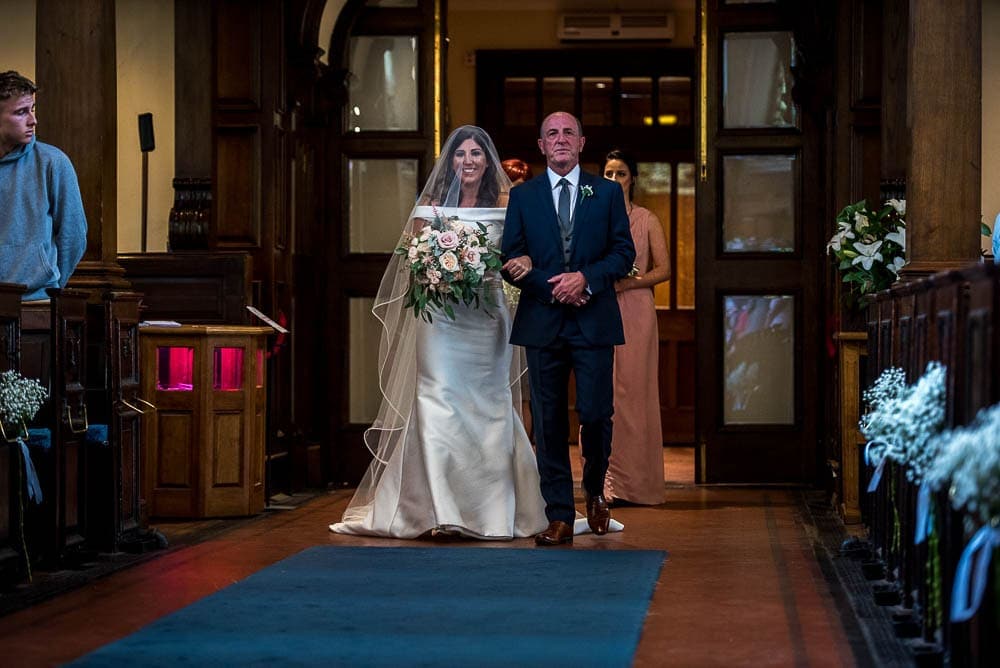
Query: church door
{"type": "Point", "coordinates": [759, 248]}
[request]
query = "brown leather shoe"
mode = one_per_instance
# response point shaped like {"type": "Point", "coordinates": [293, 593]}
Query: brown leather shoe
{"type": "Point", "coordinates": [598, 514]}
{"type": "Point", "coordinates": [557, 534]}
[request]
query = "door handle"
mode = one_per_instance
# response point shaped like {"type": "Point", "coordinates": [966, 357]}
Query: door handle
{"type": "Point", "coordinates": [69, 420]}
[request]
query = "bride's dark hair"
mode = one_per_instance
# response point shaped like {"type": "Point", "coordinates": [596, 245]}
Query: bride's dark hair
{"type": "Point", "coordinates": [489, 188]}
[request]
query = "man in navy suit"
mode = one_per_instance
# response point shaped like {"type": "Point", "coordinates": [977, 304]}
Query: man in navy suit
{"type": "Point", "coordinates": [566, 241]}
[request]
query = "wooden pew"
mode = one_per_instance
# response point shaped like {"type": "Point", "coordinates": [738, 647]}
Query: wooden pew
{"type": "Point", "coordinates": [56, 353]}
{"type": "Point", "coordinates": [952, 317]}
{"type": "Point", "coordinates": [10, 348]}
{"type": "Point", "coordinates": [116, 507]}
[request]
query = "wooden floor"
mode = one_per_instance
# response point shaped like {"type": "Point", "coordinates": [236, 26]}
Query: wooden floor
{"type": "Point", "coordinates": [741, 585]}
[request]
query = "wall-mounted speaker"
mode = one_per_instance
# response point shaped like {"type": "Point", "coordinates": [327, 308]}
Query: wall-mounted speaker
{"type": "Point", "coordinates": [146, 142]}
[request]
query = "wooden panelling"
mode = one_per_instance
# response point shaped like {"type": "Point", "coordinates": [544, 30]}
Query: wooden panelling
{"type": "Point", "coordinates": [676, 375]}
{"type": "Point", "coordinates": [175, 449]}
{"type": "Point", "coordinates": [865, 172]}
{"type": "Point", "coordinates": [895, 127]}
{"type": "Point", "coordinates": [944, 110]}
{"type": "Point", "coordinates": [866, 53]}
{"type": "Point", "coordinates": [227, 449]}
{"type": "Point", "coordinates": [238, 180]}
{"type": "Point", "coordinates": [192, 62]}
{"type": "Point", "coordinates": [237, 34]}
{"type": "Point", "coordinates": [194, 287]}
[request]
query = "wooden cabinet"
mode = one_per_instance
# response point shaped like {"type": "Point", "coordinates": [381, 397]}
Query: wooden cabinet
{"type": "Point", "coordinates": [204, 452]}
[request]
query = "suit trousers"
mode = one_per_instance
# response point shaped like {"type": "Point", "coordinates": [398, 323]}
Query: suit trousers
{"type": "Point", "coordinates": [548, 370]}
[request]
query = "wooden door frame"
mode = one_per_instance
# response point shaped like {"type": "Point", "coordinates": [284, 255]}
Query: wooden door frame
{"type": "Point", "coordinates": [350, 275]}
{"type": "Point", "coordinates": [756, 459]}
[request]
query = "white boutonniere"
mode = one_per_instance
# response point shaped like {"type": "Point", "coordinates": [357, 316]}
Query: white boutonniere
{"type": "Point", "coordinates": [586, 191]}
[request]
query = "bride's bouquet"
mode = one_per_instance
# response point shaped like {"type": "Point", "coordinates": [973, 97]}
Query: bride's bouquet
{"type": "Point", "coordinates": [447, 262]}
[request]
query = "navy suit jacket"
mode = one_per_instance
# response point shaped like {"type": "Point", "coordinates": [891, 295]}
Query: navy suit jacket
{"type": "Point", "coordinates": [601, 249]}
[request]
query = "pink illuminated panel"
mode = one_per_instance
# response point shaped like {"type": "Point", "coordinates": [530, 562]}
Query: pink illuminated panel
{"type": "Point", "coordinates": [174, 369]}
{"type": "Point", "coordinates": [227, 372]}
{"type": "Point", "coordinates": [260, 367]}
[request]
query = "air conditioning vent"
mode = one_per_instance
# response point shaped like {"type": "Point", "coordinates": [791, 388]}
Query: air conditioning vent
{"type": "Point", "coordinates": [644, 21]}
{"type": "Point", "coordinates": [587, 20]}
{"type": "Point", "coordinates": [616, 26]}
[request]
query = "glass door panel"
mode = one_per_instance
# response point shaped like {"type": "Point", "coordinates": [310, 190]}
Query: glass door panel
{"type": "Point", "coordinates": [519, 96]}
{"type": "Point", "coordinates": [382, 88]}
{"type": "Point", "coordinates": [759, 354]}
{"type": "Point", "coordinates": [653, 190]}
{"type": "Point", "coordinates": [757, 80]}
{"type": "Point", "coordinates": [675, 101]}
{"type": "Point", "coordinates": [758, 203]}
{"type": "Point", "coordinates": [365, 331]}
{"type": "Point", "coordinates": [375, 222]}
{"type": "Point", "coordinates": [636, 101]}
{"type": "Point", "coordinates": [558, 94]}
{"type": "Point", "coordinates": [598, 101]}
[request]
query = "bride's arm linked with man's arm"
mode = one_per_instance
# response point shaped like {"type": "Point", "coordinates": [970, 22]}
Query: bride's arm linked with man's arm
{"type": "Point", "coordinates": [517, 269]}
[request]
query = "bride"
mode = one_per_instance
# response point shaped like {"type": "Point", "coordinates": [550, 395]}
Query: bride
{"type": "Point", "coordinates": [451, 454]}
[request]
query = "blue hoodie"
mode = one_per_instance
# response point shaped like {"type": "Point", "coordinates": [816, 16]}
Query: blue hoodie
{"type": "Point", "coordinates": [43, 229]}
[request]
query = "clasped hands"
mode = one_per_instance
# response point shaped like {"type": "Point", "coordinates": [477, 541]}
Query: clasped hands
{"type": "Point", "coordinates": [569, 288]}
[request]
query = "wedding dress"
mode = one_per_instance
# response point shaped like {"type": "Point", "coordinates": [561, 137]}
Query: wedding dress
{"type": "Point", "coordinates": [450, 452]}
{"type": "Point", "coordinates": [463, 463]}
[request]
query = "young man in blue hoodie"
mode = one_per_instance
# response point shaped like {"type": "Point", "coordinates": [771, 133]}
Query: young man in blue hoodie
{"type": "Point", "coordinates": [43, 229]}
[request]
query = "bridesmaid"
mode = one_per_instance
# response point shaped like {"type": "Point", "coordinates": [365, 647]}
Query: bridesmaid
{"type": "Point", "coordinates": [635, 473]}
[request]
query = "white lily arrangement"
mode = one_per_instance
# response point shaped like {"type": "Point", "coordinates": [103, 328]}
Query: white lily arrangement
{"type": "Point", "coordinates": [870, 247]}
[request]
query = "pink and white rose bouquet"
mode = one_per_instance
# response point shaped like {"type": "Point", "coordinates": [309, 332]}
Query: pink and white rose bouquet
{"type": "Point", "coordinates": [448, 261]}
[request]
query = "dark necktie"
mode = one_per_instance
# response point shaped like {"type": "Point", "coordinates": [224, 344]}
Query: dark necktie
{"type": "Point", "coordinates": [564, 206]}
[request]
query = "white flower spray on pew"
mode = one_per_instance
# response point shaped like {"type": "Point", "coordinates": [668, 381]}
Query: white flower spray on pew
{"type": "Point", "coordinates": [20, 400]}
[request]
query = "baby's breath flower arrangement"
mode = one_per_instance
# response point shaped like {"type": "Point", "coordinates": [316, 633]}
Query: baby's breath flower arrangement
{"type": "Point", "coordinates": [919, 417]}
{"type": "Point", "coordinates": [903, 419]}
{"type": "Point", "coordinates": [969, 467]}
{"type": "Point", "coordinates": [869, 246]}
{"type": "Point", "coordinates": [877, 425]}
{"type": "Point", "coordinates": [20, 399]}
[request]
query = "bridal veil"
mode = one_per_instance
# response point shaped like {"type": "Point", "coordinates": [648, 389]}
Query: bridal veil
{"type": "Point", "coordinates": [397, 358]}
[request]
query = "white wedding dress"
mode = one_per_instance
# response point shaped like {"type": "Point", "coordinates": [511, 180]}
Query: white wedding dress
{"type": "Point", "coordinates": [463, 463]}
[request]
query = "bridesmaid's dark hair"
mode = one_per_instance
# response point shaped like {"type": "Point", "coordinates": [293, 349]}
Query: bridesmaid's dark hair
{"type": "Point", "coordinates": [489, 188]}
{"type": "Point", "coordinates": [633, 166]}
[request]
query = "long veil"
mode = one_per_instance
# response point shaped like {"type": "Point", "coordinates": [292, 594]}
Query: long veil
{"type": "Point", "coordinates": [397, 359]}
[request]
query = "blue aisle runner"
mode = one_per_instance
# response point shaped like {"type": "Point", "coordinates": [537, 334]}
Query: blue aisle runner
{"type": "Point", "coordinates": [441, 606]}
